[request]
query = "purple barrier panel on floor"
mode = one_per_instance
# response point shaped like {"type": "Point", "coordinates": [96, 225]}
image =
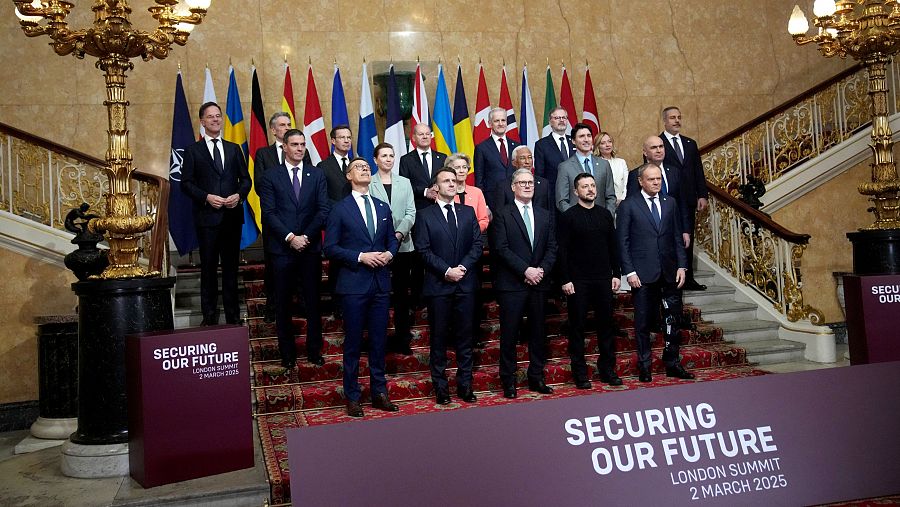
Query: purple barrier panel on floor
{"type": "Point", "coordinates": [188, 404]}
{"type": "Point", "coordinates": [873, 305]}
{"type": "Point", "coordinates": [787, 439]}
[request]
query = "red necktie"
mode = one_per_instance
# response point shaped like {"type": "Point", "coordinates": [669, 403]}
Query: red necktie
{"type": "Point", "coordinates": [504, 157]}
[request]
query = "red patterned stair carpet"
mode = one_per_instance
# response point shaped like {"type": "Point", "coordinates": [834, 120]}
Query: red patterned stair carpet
{"type": "Point", "coordinates": [313, 395]}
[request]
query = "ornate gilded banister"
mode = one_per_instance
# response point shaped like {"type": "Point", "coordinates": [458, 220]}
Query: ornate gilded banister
{"type": "Point", "coordinates": [41, 180]}
{"type": "Point", "coordinates": [796, 131]}
{"type": "Point", "coordinates": [757, 251]}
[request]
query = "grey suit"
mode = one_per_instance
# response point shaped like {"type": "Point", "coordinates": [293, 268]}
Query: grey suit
{"type": "Point", "coordinates": [565, 183]}
{"type": "Point", "coordinates": [402, 203]}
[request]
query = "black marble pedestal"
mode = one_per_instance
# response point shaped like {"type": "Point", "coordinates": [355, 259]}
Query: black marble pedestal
{"type": "Point", "coordinates": [108, 310]}
{"type": "Point", "coordinates": [58, 366]}
{"type": "Point", "coordinates": [876, 252]}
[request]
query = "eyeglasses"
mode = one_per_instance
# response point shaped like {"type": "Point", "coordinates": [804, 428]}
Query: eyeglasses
{"type": "Point", "coordinates": [559, 117]}
{"type": "Point", "coordinates": [525, 184]}
{"type": "Point", "coordinates": [361, 167]}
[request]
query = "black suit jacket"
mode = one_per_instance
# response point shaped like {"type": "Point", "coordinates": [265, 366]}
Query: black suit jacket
{"type": "Point", "coordinates": [200, 178]}
{"type": "Point", "coordinates": [542, 194]}
{"type": "Point", "coordinates": [512, 253]}
{"type": "Point", "coordinates": [411, 167]}
{"type": "Point", "coordinates": [673, 184]}
{"type": "Point", "coordinates": [547, 158]}
{"type": "Point", "coordinates": [490, 170]}
{"type": "Point", "coordinates": [692, 181]}
{"type": "Point", "coordinates": [283, 214]}
{"type": "Point", "coordinates": [335, 179]}
{"type": "Point", "coordinates": [439, 252]}
{"type": "Point", "coordinates": [650, 251]}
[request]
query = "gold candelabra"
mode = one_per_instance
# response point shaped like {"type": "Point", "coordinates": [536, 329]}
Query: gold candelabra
{"type": "Point", "coordinates": [868, 31]}
{"type": "Point", "coordinates": [114, 42]}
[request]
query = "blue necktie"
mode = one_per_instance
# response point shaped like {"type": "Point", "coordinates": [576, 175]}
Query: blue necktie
{"type": "Point", "coordinates": [295, 181]}
{"type": "Point", "coordinates": [655, 211]}
{"type": "Point", "coordinates": [678, 151]}
{"type": "Point", "coordinates": [370, 220]}
{"type": "Point", "coordinates": [587, 166]}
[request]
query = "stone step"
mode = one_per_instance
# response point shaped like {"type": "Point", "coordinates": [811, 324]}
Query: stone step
{"type": "Point", "coordinates": [192, 317]}
{"type": "Point", "coordinates": [744, 331]}
{"type": "Point", "coordinates": [728, 311]}
{"type": "Point", "coordinates": [773, 351]}
{"type": "Point", "coordinates": [713, 294]}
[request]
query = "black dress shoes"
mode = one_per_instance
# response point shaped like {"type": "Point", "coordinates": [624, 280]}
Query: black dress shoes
{"type": "Point", "coordinates": [611, 379]}
{"type": "Point", "coordinates": [382, 402]}
{"type": "Point", "coordinates": [644, 375]}
{"type": "Point", "coordinates": [354, 409]}
{"type": "Point", "coordinates": [678, 371]}
{"type": "Point", "coordinates": [442, 397]}
{"type": "Point", "coordinates": [582, 383]}
{"type": "Point", "coordinates": [693, 285]}
{"type": "Point", "coordinates": [540, 387]}
{"type": "Point", "coordinates": [289, 365]}
{"type": "Point", "coordinates": [466, 394]}
{"type": "Point", "coordinates": [269, 316]}
{"type": "Point", "coordinates": [509, 392]}
{"type": "Point", "coordinates": [317, 360]}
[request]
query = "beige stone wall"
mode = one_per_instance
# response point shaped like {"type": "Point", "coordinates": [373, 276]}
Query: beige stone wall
{"type": "Point", "coordinates": [723, 63]}
{"type": "Point", "coordinates": [827, 214]}
{"type": "Point", "coordinates": [30, 288]}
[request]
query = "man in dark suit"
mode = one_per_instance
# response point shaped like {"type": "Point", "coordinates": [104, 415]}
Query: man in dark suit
{"type": "Point", "coordinates": [543, 197]}
{"type": "Point", "coordinates": [523, 249]}
{"type": "Point", "coordinates": [335, 164]}
{"type": "Point", "coordinates": [651, 247]}
{"type": "Point", "coordinates": [589, 274]}
{"type": "Point", "coordinates": [655, 153]}
{"type": "Point", "coordinates": [420, 166]}
{"type": "Point", "coordinates": [584, 161]}
{"type": "Point", "coordinates": [493, 159]}
{"type": "Point", "coordinates": [683, 154]}
{"type": "Point", "coordinates": [448, 238]}
{"type": "Point", "coordinates": [295, 204]}
{"type": "Point", "coordinates": [360, 240]}
{"type": "Point", "coordinates": [554, 148]}
{"type": "Point", "coordinates": [214, 175]}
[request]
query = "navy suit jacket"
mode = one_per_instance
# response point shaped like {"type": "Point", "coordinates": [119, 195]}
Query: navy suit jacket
{"type": "Point", "coordinates": [439, 253]}
{"type": "Point", "coordinates": [267, 158]}
{"type": "Point", "coordinates": [512, 253]}
{"type": "Point", "coordinates": [346, 236]}
{"type": "Point", "coordinates": [283, 214]}
{"type": "Point", "coordinates": [490, 170]}
{"type": "Point", "coordinates": [547, 158]}
{"type": "Point", "coordinates": [199, 178]}
{"type": "Point", "coordinates": [543, 196]}
{"type": "Point", "coordinates": [673, 186]}
{"type": "Point", "coordinates": [650, 251]}
{"type": "Point", "coordinates": [335, 179]}
{"type": "Point", "coordinates": [411, 167]}
{"type": "Point", "coordinates": [693, 181]}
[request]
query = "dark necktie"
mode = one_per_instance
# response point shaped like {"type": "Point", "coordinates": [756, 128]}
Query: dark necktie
{"type": "Point", "coordinates": [296, 183]}
{"type": "Point", "coordinates": [665, 187]}
{"type": "Point", "coordinates": [678, 151]}
{"type": "Point", "coordinates": [655, 211]}
{"type": "Point", "coordinates": [217, 157]}
{"type": "Point", "coordinates": [504, 157]}
{"type": "Point", "coordinates": [451, 221]}
{"type": "Point", "coordinates": [425, 164]}
{"type": "Point", "coordinates": [562, 147]}
{"type": "Point", "coordinates": [344, 165]}
{"type": "Point", "coordinates": [370, 220]}
{"type": "Point", "coordinates": [587, 166]}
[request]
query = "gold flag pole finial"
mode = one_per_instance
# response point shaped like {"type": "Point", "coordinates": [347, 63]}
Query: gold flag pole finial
{"type": "Point", "coordinates": [252, 63]}
{"type": "Point", "coordinates": [417, 58]}
{"type": "Point", "coordinates": [310, 60]}
{"type": "Point", "coordinates": [179, 65]}
{"type": "Point", "coordinates": [285, 58]}
{"type": "Point", "coordinates": [458, 60]}
{"type": "Point", "coordinates": [335, 61]}
{"type": "Point", "coordinates": [479, 60]}
{"type": "Point", "coordinates": [504, 61]}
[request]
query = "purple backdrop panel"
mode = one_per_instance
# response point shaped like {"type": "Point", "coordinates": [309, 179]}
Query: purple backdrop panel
{"type": "Point", "coordinates": [188, 404]}
{"type": "Point", "coordinates": [873, 305]}
{"type": "Point", "coordinates": [788, 439]}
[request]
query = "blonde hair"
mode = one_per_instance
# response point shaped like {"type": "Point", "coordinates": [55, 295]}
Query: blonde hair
{"type": "Point", "coordinates": [597, 143]}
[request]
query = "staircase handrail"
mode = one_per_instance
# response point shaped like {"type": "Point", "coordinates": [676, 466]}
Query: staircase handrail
{"type": "Point", "coordinates": [29, 180]}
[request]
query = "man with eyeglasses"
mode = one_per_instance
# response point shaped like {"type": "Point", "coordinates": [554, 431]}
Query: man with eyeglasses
{"type": "Point", "coordinates": [420, 166]}
{"type": "Point", "coordinates": [554, 148]}
{"type": "Point", "coordinates": [523, 248]}
{"type": "Point", "coordinates": [360, 241]}
{"type": "Point", "coordinates": [543, 196]}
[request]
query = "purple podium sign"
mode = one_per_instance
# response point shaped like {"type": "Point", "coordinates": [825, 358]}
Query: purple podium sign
{"type": "Point", "coordinates": [788, 439]}
{"type": "Point", "coordinates": [188, 404]}
{"type": "Point", "coordinates": [873, 307]}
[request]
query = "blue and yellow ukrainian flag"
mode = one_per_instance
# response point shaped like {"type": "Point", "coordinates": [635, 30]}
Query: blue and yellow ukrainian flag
{"type": "Point", "coordinates": [442, 121]}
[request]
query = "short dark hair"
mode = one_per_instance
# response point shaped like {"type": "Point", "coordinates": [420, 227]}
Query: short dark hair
{"type": "Point", "coordinates": [666, 110]}
{"type": "Point", "coordinates": [581, 177]}
{"type": "Point", "coordinates": [291, 133]}
{"type": "Point", "coordinates": [444, 169]}
{"type": "Point", "coordinates": [339, 127]}
{"type": "Point", "coordinates": [581, 126]}
{"type": "Point", "coordinates": [382, 146]}
{"type": "Point", "coordinates": [207, 105]}
{"type": "Point", "coordinates": [354, 159]}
